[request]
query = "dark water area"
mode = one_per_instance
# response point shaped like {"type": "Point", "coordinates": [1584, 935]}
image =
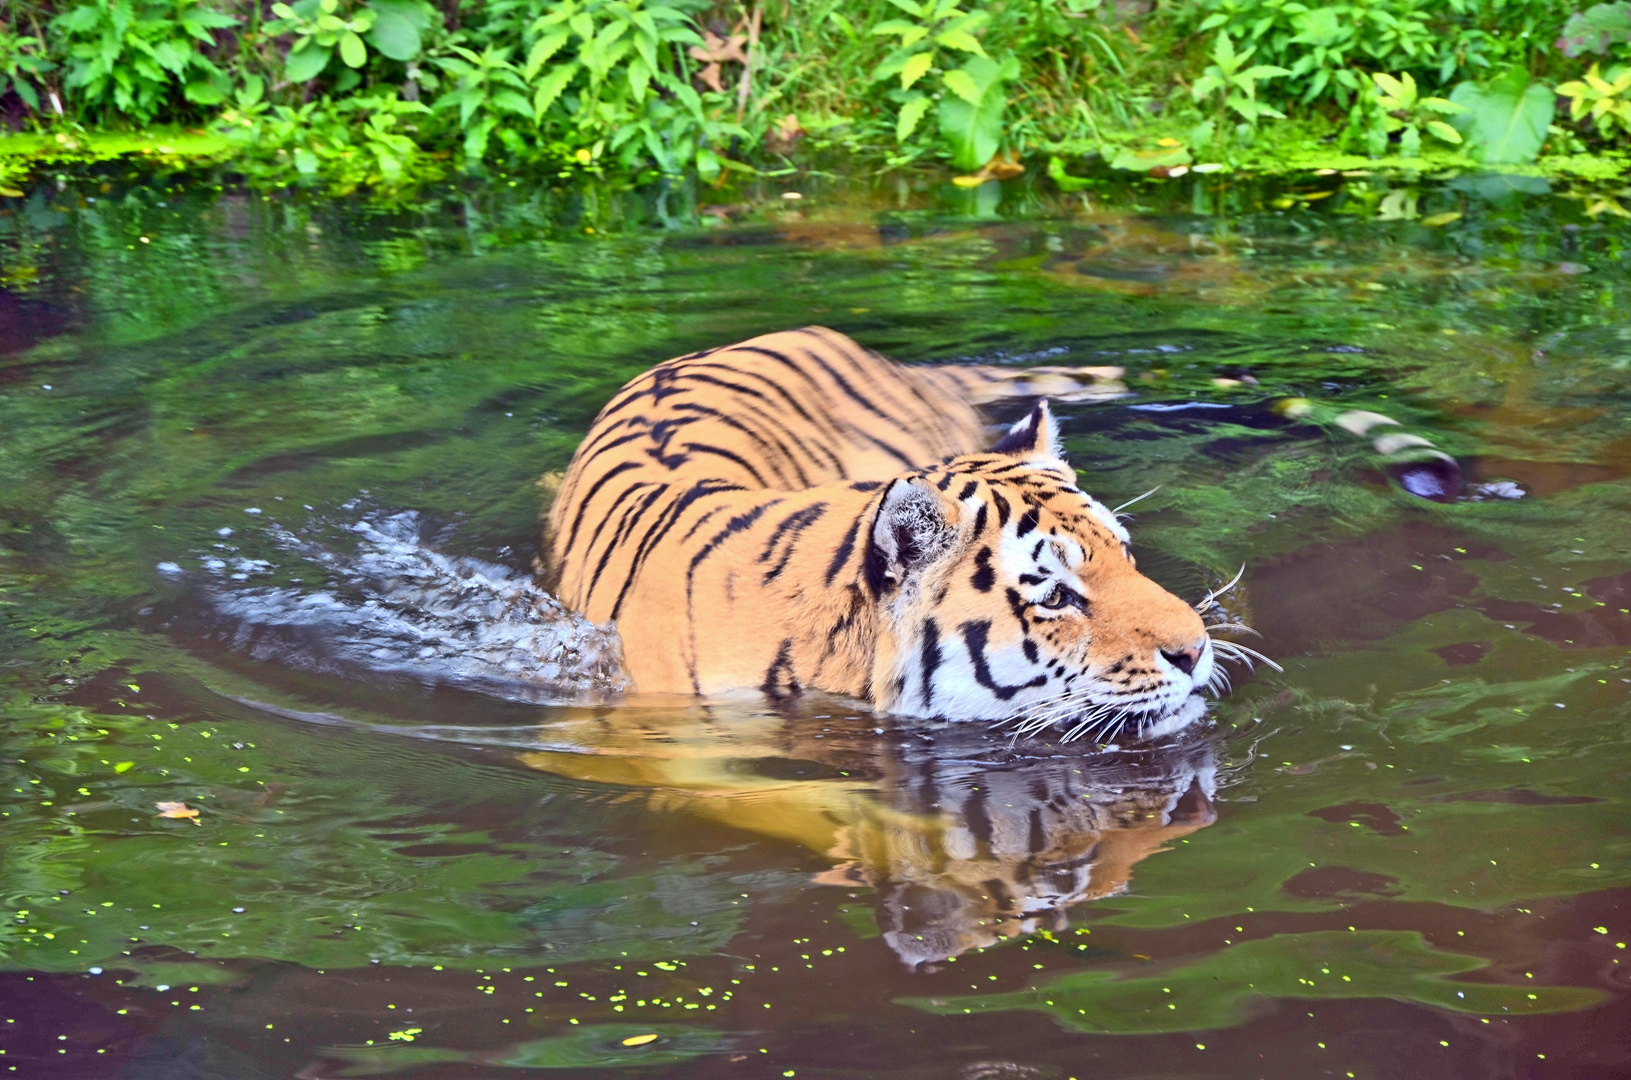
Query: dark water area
{"type": "Point", "coordinates": [269, 502]}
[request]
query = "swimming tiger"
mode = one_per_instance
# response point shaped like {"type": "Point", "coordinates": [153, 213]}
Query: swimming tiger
{"type": "Point", "coordinates": [796, 511]}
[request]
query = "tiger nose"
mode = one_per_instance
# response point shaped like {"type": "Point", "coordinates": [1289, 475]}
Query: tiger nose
{"type": "Point", "coordinates": [1185, 659]}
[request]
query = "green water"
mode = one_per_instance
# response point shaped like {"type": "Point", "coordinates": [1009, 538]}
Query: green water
{"type": "Point", "coordinates": [1408, 854]}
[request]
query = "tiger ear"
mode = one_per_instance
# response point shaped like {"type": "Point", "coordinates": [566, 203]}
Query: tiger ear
{"type": "Point", "coordinates": [909, 532]}
{"type": "Point", "coordinates": [1035, 436]}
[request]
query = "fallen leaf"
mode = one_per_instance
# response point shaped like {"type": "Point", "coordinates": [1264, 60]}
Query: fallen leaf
{"type": "Point", "coordinates": [178, 810]}
{"type": "Point", "coordinates": [998, 168]}
{"type": "Point", "coordinates": [715, 51]}
{"type": "Point", "coordinates": [1442, 219]}
{"type": "Point", "coordinates": [639, 1040]}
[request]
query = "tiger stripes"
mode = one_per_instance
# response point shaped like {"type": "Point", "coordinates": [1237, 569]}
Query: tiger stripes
{"type": "Point", "coordinates": [796, 511]}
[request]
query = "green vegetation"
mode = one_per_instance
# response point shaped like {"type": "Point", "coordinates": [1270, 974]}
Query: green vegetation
{"type": "Point", "coordinates": [388, 95]}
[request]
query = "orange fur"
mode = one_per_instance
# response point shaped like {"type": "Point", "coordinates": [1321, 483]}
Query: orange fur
{"type": "Point", "coordinates": [797, 511]}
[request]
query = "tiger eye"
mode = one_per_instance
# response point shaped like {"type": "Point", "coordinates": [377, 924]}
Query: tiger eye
{"type": "Point", "coordinates": [1056, 598]}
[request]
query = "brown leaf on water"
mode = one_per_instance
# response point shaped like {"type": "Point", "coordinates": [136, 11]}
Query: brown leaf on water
{"type": "Point", "coordinates": [178, 810]}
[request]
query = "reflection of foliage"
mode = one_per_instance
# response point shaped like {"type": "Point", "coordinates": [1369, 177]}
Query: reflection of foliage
{"type": "Point", "coordinates": [598, 1046]}
{"type": "Point", "coordinates": [311, 870]}
{"type": "Point", "coordinates": [1216, 991]}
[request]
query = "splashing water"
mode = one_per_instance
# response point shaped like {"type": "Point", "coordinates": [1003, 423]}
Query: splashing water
{"type": "Point", "coordinates": [398, 606]}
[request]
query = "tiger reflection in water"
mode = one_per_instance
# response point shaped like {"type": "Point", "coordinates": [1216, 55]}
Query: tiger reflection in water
{"type": "Point", "coordinates": [967, 838]}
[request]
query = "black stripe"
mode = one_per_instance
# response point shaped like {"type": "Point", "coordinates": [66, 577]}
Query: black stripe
{"type": "Point", "coordinates": [976, 635]}
{"type": "Point", "coordinates": [929, 657]}
{"type": "Point", "coordinates": [764, 447]}
{"type": "Point", "coordinates": [583, 505]}
{"type": "Point", "coordinates": [1027, 522]}
{"type": "Point", "coordinates": [783, 663]}
{"type": "Point", "coordinates": [606, 518]}
{"type": "Point", "coordinates": [728, 455]}
{"type": "Point", "coordinates": [631, 518]}
{"type": "Point", "coordinates": [794, 523]}
{"type": "Point", "coordinates": [661, 527]}
{"type": "Point", "coordinates": [732, 527]}
{"type": "Point", "coordinates": [984, 576]}
{"type": "Point", "coordinates": [979, 520]}
{"type": "Point", "coordinates": [846, 547]}
{"type": "Point", "coordinates": [1003, 509]}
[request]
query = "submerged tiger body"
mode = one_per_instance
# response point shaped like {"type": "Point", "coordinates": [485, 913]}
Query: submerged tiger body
{"type": "Point", "coordinates": [799, 512]}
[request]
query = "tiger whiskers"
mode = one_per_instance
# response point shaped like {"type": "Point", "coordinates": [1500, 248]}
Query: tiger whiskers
{"type": "Point", "coordinates": [1217, 621]}
{"type": "Point", "coordinates": [1086, 717]}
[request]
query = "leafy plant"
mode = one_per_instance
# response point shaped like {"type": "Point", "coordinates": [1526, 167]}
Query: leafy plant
{"type": "Point", "coordinates": [1506, 119]}
{"type": "Point", "coordinates": [127, 56]}
{"type": "Point", "coordinates": [1399, 107]}
{"type": "Point", "coordinates": [23, 65]}
{"type": "Point", "coordinates": [1231, 87]}
{"type": "Point", "coordinates": [971, 111]}
{"type": "Point", "coordinates": [487, 87]}
{"type": "Point", "coordinates": [938, 25]}
{"type": "Point", "coordinates": [356, 142]}
{"type": "Point", "coordinates": [393, 28]}
{"type": "Point", "coordinates": [1607, 100]}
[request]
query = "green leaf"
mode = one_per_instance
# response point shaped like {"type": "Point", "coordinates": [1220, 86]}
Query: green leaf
{"type": "Point", "coordinates": [1393, 88]}
{"type": "Point", "coordinates": [1595, 29]}
{"type": "Point", "coordinates": [352, 50]}
{"type": "Point", "coordinates": [914, 69]}
{"type": "Point", "coordinates": [962, 41]}
{"type": "Point", "coordinates": [962, 84]}
{"type": "Point", "coordinates": [707, 164]}
{"type": "Point", "coordinates": [511, 102]}
{"type": "Point", "coordinates": [1506, 119]}
{"type": "Point", "coordinates": [394, 35]}
{"type": "Point", "coordinates": [550, 87]}
{"type": "Point", "coordinates": [974, 127]}
{"type": "Point", "coordinates": [1444, 131]}
{"type": "Point", "coordinates": [911, 114]}
{"type": "Point", "coordinates": [203, 93]}
{"type": "Point", "coordinates": [306, 61]}
{"type": "Point", "coordinates": [1063, 180]}
{"type": "Point", "coordinates": [305, 161]}
{"type": "Point", "coordinates": [639, 78]}
{"type": "Point", "coordinates": [544, 48]}
{"type": "Point", "coordinates": [1132, 160]}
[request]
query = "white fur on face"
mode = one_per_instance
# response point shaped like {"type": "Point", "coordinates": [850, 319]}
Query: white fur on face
{"type": "Point", "coordinates": [982, 669]}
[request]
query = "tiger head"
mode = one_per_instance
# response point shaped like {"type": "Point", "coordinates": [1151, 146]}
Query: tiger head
{"type": "Point", "coordinates": [1006, 592]}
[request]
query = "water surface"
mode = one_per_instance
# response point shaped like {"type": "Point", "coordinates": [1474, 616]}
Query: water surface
{"type": "Point", "coordinates": [250, 452]}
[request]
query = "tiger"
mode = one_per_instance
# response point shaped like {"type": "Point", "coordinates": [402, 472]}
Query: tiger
{"type": "Point", "coordinates": [797, 512]}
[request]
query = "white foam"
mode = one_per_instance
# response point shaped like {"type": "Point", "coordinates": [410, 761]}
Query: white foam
{"type": "Point", "coordinates": [398, 606]}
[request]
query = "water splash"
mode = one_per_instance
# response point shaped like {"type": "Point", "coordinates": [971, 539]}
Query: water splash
{"type": "Point", "coordinates": [396, 605]}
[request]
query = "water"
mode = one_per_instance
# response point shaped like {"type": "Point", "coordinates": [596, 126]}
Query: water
{"type": "Point", "coordinates": [270, 510]}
